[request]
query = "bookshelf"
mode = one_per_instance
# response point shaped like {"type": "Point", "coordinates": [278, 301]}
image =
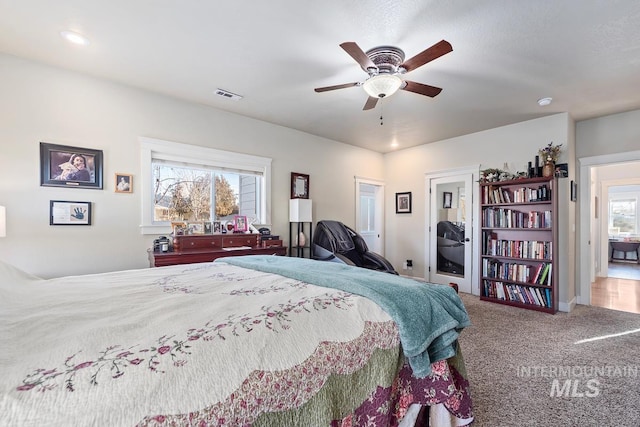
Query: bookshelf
{"type": "Point", "coordinates": [519, 239]}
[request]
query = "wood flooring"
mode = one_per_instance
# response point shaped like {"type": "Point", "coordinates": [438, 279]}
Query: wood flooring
{"type": "Point", "coordinates": [619, 291]}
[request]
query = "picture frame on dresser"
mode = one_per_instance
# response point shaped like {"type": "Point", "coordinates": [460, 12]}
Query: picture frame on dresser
{"type": "Point", "coordinates": [240, 224]}
{"type": "Point", "coordinates": [179, 228]}
{"type": "Point", "coordinates": [195, 227]}
{"type": "Point", "coordinates": [70, 167]}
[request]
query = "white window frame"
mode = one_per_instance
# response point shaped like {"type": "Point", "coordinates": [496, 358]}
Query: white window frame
{"type": "Point", "coordinates": [151, 148]}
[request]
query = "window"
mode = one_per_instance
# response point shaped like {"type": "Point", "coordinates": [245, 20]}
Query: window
{"type": "Point", "coordinates": [191, 183]}
{"type": "Point", "coordinates": [367, 208]}
{"type": "Point", "coordinates": [623, 215]}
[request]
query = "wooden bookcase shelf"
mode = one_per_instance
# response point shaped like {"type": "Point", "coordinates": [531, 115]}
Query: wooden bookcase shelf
{"type": "Point", "coordinates": [519, 239]}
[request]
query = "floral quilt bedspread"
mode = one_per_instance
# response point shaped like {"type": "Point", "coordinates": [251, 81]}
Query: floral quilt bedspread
{"type": "Point", "coordinates": [204, 344]}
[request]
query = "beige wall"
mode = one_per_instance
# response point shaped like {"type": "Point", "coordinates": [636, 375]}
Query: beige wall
{"type": "Point", "coordinates": [40, 103]}
{"type": "Point", "coordinates": [515, 145]}
{"type": "Point", "coordinates": [608, 140]}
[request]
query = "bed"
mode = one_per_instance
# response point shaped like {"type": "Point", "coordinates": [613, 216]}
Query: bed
{"type": "Point", "coordinates": [243, 341]}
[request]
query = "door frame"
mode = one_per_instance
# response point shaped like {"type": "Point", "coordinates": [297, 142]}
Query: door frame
{"type": "Point", "coordinates": [379, 207]}
{"type": "Point", "coordinates": [474, 234]}
{"type": "Point", "coordinates": [586, 252]}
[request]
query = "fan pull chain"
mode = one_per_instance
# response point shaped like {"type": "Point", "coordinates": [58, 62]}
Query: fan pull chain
{"type": "Point", "coordinates": [381, 120]}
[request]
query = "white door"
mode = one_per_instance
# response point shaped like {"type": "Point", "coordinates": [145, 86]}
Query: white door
{"type": "Point", "coordinates": [450, 230]}
{"type": "Point", "coordinates": [370, 213]}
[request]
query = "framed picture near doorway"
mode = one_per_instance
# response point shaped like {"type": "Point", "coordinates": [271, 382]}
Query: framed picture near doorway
{"type": "Point", "coordinates": [403, 202]}
{"type": "Point", "coordinates": [446, 197]}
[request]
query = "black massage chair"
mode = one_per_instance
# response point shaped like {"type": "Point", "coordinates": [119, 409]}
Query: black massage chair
{"type": "Point", "coordinates": [334, 241]}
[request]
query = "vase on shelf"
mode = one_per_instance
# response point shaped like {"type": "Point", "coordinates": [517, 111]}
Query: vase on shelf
{"type": "Point", "coordinates": [300, 240]}
{"type": "Point", "coordinates": [548, 168]}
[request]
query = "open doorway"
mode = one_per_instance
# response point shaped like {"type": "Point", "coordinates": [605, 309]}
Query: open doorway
{"type": "Point", "coordinates": [610, 221]}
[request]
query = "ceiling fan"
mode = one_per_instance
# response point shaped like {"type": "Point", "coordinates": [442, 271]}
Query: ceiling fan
{"type": "Point", "coordinates": [385, 65]}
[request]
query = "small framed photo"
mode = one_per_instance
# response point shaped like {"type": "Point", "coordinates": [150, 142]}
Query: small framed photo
{"type": "Point", "coordinates": [446, 200]}
{"type": "Point", "coordinates": [195, 227]}
{"type": "Point", "coordinates": [207, 227]}
{"type": "Point", "coordinates": [69, 213]}
{"type": "Point", "coordinates": [403, 202]}
{"type": "Point", "coordinates": [299, 186]}
{"type": "Point", "coordinates": [124, 183]}
{"type": "Point", "coordinates": [179, 228]}
{"type": "Point", "coordinates": [240, 224]}
{"type": "Point", "coordinates": [216, 227]}
{"type": "Point", "coordinates": [74, 167]}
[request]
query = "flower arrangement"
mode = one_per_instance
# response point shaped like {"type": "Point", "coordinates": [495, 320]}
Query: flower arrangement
{"type": "Point", "coordinates": [550, 151]}
{"type": "Point", "coordinates": [497, 175]}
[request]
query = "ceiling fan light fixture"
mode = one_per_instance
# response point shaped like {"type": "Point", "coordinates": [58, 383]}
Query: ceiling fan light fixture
{"type": "Point", "coordinates": [382, 85]}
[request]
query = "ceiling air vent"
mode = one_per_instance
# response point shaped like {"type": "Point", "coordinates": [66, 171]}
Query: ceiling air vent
{"type": "Point", "coordinates": [226, 94]}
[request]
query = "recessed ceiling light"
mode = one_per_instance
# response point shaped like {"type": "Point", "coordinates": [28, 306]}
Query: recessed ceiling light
{"type": "Point", "coordinates": [544, 101]}
{"type": "Point", "coordinates": [75, 38]}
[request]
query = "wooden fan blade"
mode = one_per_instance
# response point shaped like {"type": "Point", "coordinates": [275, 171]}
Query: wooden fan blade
{"type": "Point", "coordinates": [371, 103]}
{"type": "Point", "coordinates": [436, 51]}
{"type": "Point", "coordinates": [358, 54]}
{"type": "Point", "coordinates": [421, 89]}
{"type": "Point", "coordinates": [326, 88]}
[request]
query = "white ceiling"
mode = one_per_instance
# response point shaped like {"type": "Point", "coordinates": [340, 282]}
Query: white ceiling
{"type": "Point", "coordinates": [506, 55]}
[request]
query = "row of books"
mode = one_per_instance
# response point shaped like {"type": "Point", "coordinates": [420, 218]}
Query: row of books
{"type": "Point", "coordinates": [509, 218]}
{"type": "Point", "coordinates": [518, 293]}
{"type": "Point", "coordinates": [531, 249]}
{"type": "Point", "coordinates": [493, 195]}
{"type": "Point", "coordinates": [539, 274]}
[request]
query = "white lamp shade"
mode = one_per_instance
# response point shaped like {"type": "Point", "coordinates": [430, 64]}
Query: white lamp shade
{"type": "Point", "coordinates": [3, 221]}
{"type": "Point", "coordinates": [300, 210]}
{"type": "Point", "coordinates": [382, 85]}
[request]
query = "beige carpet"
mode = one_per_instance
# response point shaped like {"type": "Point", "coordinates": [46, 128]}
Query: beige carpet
{"type": "Point", "coordinates": [530, 369]}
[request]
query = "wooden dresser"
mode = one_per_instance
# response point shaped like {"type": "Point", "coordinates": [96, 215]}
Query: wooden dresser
{"type": "Point", "coordinates": [207, 247]}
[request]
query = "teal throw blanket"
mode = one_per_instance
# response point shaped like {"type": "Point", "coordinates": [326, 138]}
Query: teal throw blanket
{"type": "Point", "coordinates": [429, 316]}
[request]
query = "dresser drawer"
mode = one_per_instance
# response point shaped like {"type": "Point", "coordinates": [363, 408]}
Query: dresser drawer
{"type": "Point", "coordinates": [197, 243]}
{"type": "Point", "coordinates": [236, 240]}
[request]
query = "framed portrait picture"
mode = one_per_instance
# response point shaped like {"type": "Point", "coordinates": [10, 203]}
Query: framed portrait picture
{"type": "Point", "coordinates": [216, 227]}
{"type": "Point", "coordinates": [74, 167]}
{"type": "Point", "coordinates": [69, 213]}
{"type": "Point", "coordinates": [207, 227]}
{"type": "Point", "coordinates": [299, 186]}
{"type": "Point", "coordinates": [124, 183]}
{"type": "Point", "coordinates": [446, 200]}
{"type": "Point", "coordinates": [240, 224]}
{"type": "Point", "coordinates": [403, 202]}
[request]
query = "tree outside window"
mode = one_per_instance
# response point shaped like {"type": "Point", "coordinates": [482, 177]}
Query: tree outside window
{"type": "Point", "coordinates": [186, 193]}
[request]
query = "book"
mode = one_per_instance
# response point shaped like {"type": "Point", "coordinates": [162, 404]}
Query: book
{"type": "Point", "coordinates": [544, 273]}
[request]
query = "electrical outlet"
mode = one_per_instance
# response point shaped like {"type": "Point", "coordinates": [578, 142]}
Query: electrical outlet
{"type": "Point", "coordinates": [409, 264]}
